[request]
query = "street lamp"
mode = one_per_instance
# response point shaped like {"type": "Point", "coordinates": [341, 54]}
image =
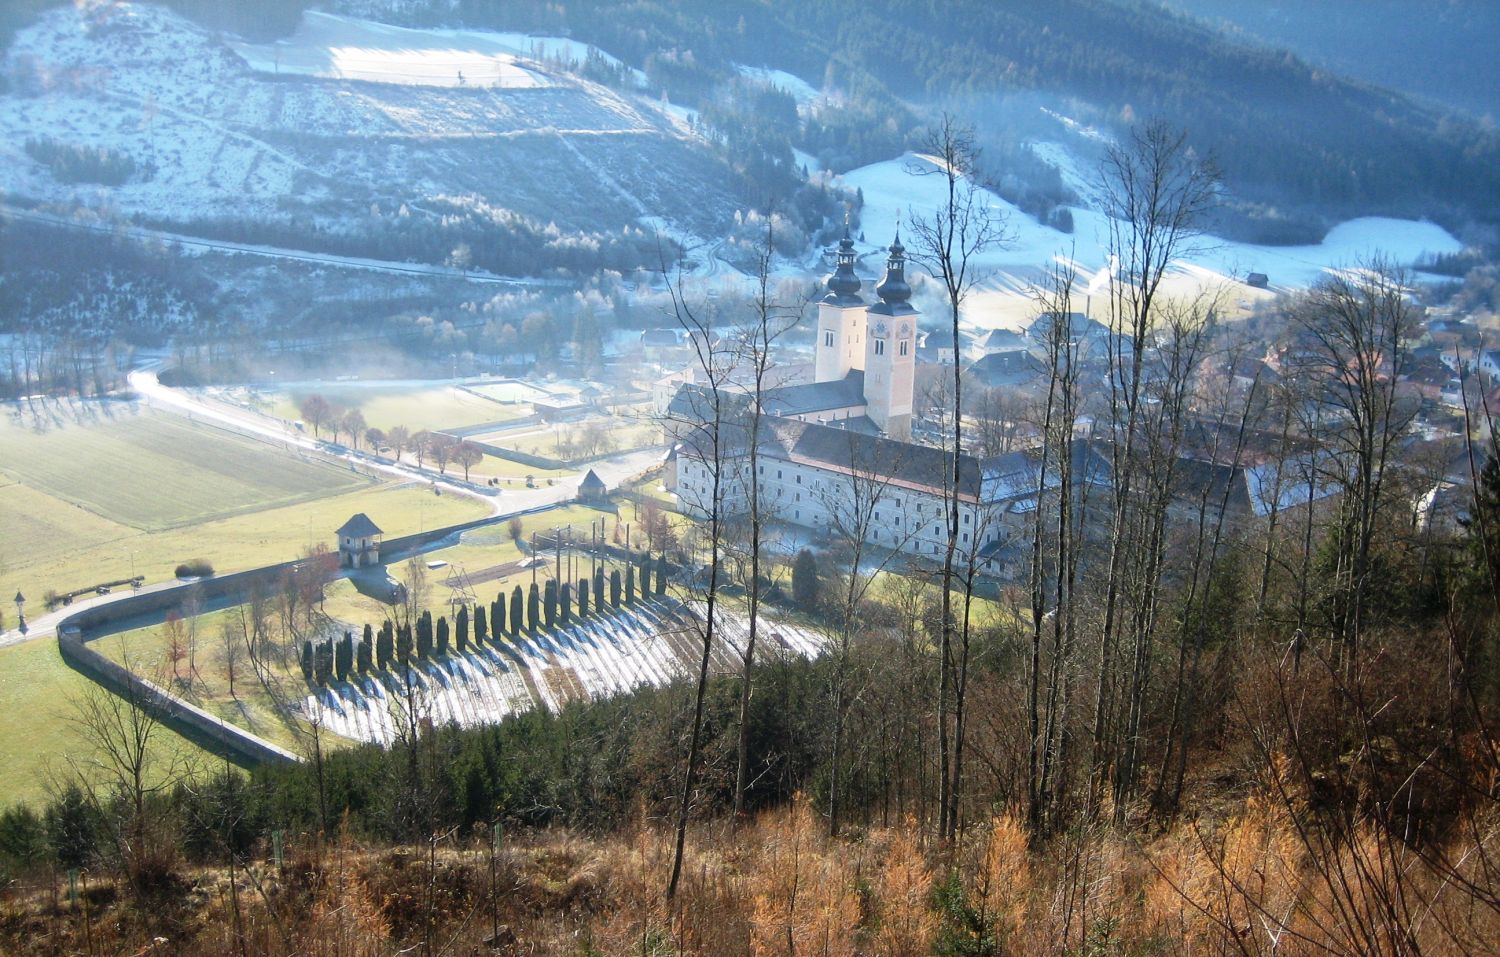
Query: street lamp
{"type": "Point", "coordinates": [20, 611]}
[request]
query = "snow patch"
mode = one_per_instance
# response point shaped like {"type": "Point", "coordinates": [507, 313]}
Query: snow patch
{"type": "Point", "coordinates": [343, 48]}
{"type": "Point", "coordinates": [802, 91]}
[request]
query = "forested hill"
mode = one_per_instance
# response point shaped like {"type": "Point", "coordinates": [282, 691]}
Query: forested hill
{"type": "Point", "coordinates": [1443, 49]}
{"type": "Point", "coordinates": [1285, 132]}
{"type": "Point", "coordinates": [1294, 139]}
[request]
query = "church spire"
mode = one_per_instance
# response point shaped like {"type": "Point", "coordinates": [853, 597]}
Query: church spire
{"type": "Point", "coordinates": [894, 290]}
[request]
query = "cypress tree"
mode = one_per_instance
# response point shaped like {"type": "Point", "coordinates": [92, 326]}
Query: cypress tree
{"type": "Point", "coordinates": [367, 649]}
{"type": "Point", "coordinates": [442, 637]}
{"type": "Point", "coordinates": [323, 663]}
{"type": "Point", "coordinates": [461, 629]}
{"type": "Point", "coordinates": [515, 612]}
{"type": "Point", "coordinates": [481, 627]}
{"type": "Point", "coordinates": [343, 661]}
{"type": "Point", "coordinates": [629, 582]}
{"type": "Point", "coordinates": [384, 645]}
{"type": "Point", "coordinates": [307, 660]}
{"type": "Point", "coordinates": [565, 602]}
{"type": "Point", "coordinates": [424, 636]}
{"type": "Point", "coordinates": [583, 597]}
{"type": "Point", "coordinates": [497, 617]}
{"type": "Point", "coordinates": [598, 589]}
{"type": "Point", "coordinates": [805, 580]}
{"type": "Point", "coordinates": [661, 575]}
{"type": "Point", "coordinates": [403, 644]}
{"type": "Point", "coordinates": [549, 603]}
{"type": "Point", "coordinates": [534, 608]}
{"type": "Point", "coordinates": [614, 588]}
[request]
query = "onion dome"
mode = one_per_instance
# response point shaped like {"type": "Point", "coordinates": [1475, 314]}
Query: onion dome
{"type": "Point", "coordinates": [894, 289]}
{"type": "Point", "coordinates": [843, 285]}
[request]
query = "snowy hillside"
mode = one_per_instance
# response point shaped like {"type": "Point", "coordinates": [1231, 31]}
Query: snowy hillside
{"type": "Point", "coordinates": [209, 129]}
{"type": "Point", "coordinates": [896, 189]}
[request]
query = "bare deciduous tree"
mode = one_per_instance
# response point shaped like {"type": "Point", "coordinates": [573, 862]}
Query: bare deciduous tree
{"type": "Point", "coordinates": [948, 242]}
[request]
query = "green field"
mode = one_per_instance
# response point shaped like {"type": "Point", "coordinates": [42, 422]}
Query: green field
{"type": "Point", "coordinates": [250, 707]}
{"type": "Point", "coordinates": [437, 407]}
{"type": "Point", "coordinates": [153, 471]}
{"type": "Point", "coordinates": [39, 732]}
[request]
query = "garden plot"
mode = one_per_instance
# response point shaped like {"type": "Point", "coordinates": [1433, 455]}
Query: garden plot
{"type": "Point", "coordinates": [586, 660]}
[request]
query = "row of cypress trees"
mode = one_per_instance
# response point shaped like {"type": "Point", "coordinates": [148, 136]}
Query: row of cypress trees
{"type": "Point", "coordinates": [534, 608]}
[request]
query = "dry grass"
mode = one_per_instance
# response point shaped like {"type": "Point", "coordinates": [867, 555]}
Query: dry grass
{"type": "Point", "coordinates": [780, 886]}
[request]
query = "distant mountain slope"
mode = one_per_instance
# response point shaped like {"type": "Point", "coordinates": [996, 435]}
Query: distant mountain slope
{"type": "Point", "coordinates": [1287, 133]}
{"type": "Point", "coordinates": [1443, 49]}
{"type": "Point", "coordinates": [134, 109]}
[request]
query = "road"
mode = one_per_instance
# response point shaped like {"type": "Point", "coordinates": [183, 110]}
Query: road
{"type": "Point", "coordinates": [269, 252]}
{"type": "Point", "coordinates": [199, 406]}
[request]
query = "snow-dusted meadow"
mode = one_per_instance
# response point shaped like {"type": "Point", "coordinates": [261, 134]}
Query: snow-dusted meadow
{"type": "Point", "coordinates": [344, 48]}
{"type": "Point", "coordinates": [347, 48]}
{"type": "Point", "coordinates": [585, 660]}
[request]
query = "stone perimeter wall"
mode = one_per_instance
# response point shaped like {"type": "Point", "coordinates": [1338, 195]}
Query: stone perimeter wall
{"type": "Point", "coordinates": [195, 723]}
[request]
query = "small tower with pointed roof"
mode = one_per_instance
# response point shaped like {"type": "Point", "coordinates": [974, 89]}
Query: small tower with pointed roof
{"type": "Point", "coordinates": [841, 315]}
{"type": "Point", "coordinates": [359, 542]}
{"type": "Point", "coordinates": [891, 348]}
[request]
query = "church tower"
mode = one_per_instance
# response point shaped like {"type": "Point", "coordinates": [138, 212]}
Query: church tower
{"type": "Point", "coordinates": [891, 350]}
{"type": "Point", "coordinates": [841, 320]}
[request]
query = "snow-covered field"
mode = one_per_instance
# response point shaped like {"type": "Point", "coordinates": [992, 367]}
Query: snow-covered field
{"type": "Point", "coordinates": [598, 657]}
{"type": "Point", "coordinates": [344, 48]}
{"type": "Point", "coordinates": [910, 185]}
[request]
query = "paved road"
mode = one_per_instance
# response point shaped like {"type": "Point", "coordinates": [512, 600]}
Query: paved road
{"type": "Point", "coordinates": [198, 405]}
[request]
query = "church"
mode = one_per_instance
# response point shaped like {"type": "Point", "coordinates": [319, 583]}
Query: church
{"type": "Point", "coordinates": [837, 450]}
